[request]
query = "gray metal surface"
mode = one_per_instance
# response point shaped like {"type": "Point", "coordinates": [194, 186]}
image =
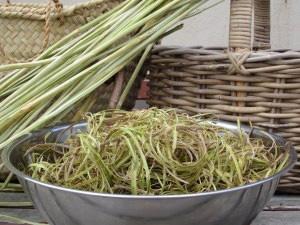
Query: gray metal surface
{"type": "Point", "coordinates": [61, 206]}
{"type": "Point", "coordinates": [287, 214]}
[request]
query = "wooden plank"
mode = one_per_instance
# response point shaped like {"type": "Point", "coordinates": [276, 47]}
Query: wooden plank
{"type": "Point", "coordinates": [14, 200]}
{"type": "Point", "coordinates": [284, 203]}
{"type": "Point", "coordinates": [13, 197]}
{"type": "Point", "coordinates": [278, 218]}
{"type": "Point", "coordinates": [295, 199]}
{"type": "Point", "coordinates": [26, 214]}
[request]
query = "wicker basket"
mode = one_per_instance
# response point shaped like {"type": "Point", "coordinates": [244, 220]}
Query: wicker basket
{"type": "Point", "coordinates": [262, 87]}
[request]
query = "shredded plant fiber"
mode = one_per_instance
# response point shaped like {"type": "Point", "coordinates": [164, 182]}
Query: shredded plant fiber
{"type": "Point", "coordinates": [154, 152]}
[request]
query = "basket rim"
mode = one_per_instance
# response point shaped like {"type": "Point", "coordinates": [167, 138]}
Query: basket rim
{"type": "Point", "coordinates": [36, 11]}
{"type": "Point", "coordinates": [222, 51]}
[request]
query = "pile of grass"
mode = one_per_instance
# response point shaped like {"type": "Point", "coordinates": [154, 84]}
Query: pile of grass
{"type": "Point", "coordinates": [154, 152]}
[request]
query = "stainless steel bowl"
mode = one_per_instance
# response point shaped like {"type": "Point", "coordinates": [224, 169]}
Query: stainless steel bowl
{"type": "Point", "coordinates": [61, 206]}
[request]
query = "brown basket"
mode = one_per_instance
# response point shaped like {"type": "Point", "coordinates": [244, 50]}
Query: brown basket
{"type": "Point", "coordinates": [262, 87]}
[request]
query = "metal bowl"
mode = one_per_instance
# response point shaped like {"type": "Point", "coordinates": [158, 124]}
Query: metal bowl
{"type": "Point", "coordinates": [62, 206]}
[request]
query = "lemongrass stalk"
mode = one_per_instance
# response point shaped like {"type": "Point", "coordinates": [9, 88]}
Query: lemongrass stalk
{"type": "Point", "coordinates": [31, 116]}
{"type": "Point", "coordinates": [201, 10]}
{"type": "Point", "coordinates": [78, 76]}
{"type": "Point", "coordinates": [140, 13]}
{"type": "Point", "coordinates": [39, 122]}
{"type": "Point", "coordinates": [133, 77]}
{"type": "Point", "coordinates": [64, 85]}
{"type": "Point", "coordinates": [94, 23]}
{"type": "Point", "coordinates": [15, 204]}
{"type": "Point", "coordinates": [7, 180]}
{"type": "Point", "coordinates": [120, 8]}
{"type": "Point", "coordinates": [12, 185]}
{"type": "Point", "coordinates": [46, 117]}
{"type": "Point", "coordinates": [15, 220]}
{"type": "Point", "coordinates": [17, 66]}
{"type": "Point", "coordinates": [33, 89]}
{"type": "Point", "coordinates": [27, 106]}
{"type": "Point", "coordinates": [66, 95]}
{"type": "Point", "coordinates": [10, 80]}
{"type": "Point", "coordinates": [86, 40]}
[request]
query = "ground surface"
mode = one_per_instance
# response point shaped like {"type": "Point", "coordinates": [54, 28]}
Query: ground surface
{"type": "Point", "coordinates": [282, 210]}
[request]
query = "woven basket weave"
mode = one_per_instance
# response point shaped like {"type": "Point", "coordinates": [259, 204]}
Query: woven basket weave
{"type": "Point", "coordinates": [239, 82]}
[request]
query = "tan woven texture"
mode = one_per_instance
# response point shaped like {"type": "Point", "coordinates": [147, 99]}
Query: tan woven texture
{"type": "Point", "coordinates": [22, 26]}
{"type": "Point", "coordinates": [262, 87]}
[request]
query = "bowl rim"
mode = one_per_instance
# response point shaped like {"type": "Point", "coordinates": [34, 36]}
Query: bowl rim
{"type": "Point", "coordinates": [8, 150]}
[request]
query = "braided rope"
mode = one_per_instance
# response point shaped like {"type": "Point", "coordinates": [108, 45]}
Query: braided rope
{"type": "Point", "coordinates": [47, 26]}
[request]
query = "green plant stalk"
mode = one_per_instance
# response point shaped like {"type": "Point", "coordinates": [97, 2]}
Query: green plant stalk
{"type": "Point", "coordinates": [133, 77]}
{"type": "Point", "coordinates": [10, 67]}
{"type": "Point", "coordinates": [15, 204]}
{"type": "Point", "coordinates": [15, 220]}
{"type": "Point", "coordinates": [12, 185]}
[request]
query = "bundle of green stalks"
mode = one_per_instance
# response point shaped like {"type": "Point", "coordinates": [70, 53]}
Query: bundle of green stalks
{"type": "Point", "coordinates": [154, 152]}
{"type": "Point", "coordinates": [44, 91]}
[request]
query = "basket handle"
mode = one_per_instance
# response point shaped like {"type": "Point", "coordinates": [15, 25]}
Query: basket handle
{"type": "Point", "coordinates": [57, 3]}
{"type": "Point", "coordinates": [246, 17]}
{"type": "Point", "coordinates": [249, 28]}
{"type": "Point", "coordinates": [262, 24]}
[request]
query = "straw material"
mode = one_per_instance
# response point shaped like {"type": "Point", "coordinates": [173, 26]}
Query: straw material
{"type": "Point", "coordinates": [259, 87]}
